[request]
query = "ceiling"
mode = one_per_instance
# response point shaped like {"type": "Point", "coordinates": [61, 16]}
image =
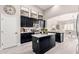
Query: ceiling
{"type": "Point", "coordinates": [44, 7]}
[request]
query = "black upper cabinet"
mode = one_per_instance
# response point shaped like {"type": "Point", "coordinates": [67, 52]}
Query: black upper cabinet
{"type": "Point", "coordinates": [26, 22]}
{"type": "Point", "coordinates": [23, 21]}
{"type": "Point", "coordinates": [29, 23]}
{"type": "Point", "coordinates": [33, 20]}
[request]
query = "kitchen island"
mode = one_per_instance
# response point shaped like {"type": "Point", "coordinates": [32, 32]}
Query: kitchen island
{"type": "Point", "coordinates": [42, 42]}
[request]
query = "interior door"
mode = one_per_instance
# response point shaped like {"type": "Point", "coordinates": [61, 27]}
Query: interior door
{"type": "Point", "coordinates": [8, 31]}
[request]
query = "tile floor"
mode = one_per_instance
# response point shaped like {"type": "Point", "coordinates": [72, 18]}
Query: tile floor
{"type": "Point", "coordinates": [67, 47]}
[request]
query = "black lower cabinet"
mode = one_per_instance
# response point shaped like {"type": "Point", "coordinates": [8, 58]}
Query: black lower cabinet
{"type": "Point", "coordinates": [43, 44]}
{"type": "Point", "coordinates": [26, 37]}
{"type": "Point", "coordinates": [59, 37]}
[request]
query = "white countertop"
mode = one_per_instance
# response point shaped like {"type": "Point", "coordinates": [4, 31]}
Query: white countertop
{"type": "Point", "coordinates": [42, 35]}
{"type": "Point", "coordinates": [25, 32]}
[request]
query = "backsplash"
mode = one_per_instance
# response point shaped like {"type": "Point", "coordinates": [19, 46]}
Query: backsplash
{"type": "Point", "coordinates": [25, 29]}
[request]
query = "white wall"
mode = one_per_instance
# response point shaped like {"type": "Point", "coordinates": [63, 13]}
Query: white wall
{"type": "Point", "coordinates": [59, 10]}
{"type": "Point", "coordinates": [60, 13]}
{"type": "Point", "coordinates": [65, 18]}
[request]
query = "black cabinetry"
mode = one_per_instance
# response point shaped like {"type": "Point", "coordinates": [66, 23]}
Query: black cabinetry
{"type": "Point", "coordinates": [43, 44]}
{"type": "Point", "coordinates": [34, 20]}
{"type": "Point", "coordinates": [23, 21]}
{"type": "Point", "coordinates": [29, 23]}
{"type": "Point", "coordinates": [26, 37]}
{"type": "Point", "coordinates": [59, 37]}
{"type": "Point", "coordinates": [26, 21]}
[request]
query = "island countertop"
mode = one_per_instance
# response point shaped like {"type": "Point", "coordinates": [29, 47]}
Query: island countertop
{"type": "Point", "coordinates": [42, 35]}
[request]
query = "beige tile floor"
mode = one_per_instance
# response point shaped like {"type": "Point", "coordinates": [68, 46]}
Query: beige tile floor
{"type": "Point", "coordinates": [67, 47]}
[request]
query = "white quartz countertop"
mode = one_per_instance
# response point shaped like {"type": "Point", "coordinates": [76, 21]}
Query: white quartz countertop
{"type": "Point", "coordinates": [25, 32]}
{"type": "Point", "coordinates": [43, 35]}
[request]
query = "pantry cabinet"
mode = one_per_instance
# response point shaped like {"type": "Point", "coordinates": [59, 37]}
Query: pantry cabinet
{"type": "Point", "coordinates": [9, 26]}
{"type": "Point", "coordinates": [8, 31]}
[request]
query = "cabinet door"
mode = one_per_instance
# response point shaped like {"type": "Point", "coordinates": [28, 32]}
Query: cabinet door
{"type": "Point", "coordinates": [58, 37]}
{"type": "Point", "coordinates": [52, 40]}
{"type": "Point", "coordinates": [23, 21]}
{"type": "Point", "coordinates": [26, 22]}
{"type": "Point", "coordinates": [23, 38]}
{"type": "Point", "coordinates": [26, 37]}
{"type": "Point", "coordinates": [44, 42]}
{"type": "Point", "coordinates": [8, 31]}
{"type": "Point", "coordinates": [29, 22]}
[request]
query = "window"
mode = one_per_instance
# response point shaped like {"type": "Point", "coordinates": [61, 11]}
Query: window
{"type": "Point", "coordinates": [69, 27]}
